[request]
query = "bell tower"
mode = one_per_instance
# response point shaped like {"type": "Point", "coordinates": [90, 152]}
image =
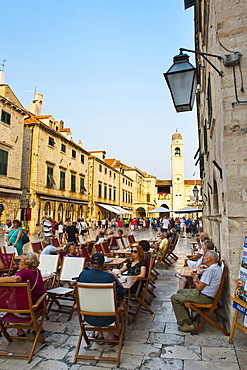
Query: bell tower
{"type": "Point", "coordinates": [177, 158]}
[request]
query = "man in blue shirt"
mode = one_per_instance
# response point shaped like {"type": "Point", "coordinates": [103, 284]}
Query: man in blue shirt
{"type": "Point", "coordinates": [97, 275]}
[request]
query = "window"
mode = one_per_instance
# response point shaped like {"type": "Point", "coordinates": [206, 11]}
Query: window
{"type": "Point", "coordinates": [73, 183]}
{"type": "Point", "coordinates": [123, 180]}
{"type": "Point", "coordinates": [62, 180]}
{"type": "Point", "coordinates": [51, 141]}
{"type": "Point", "coordinates": [105, 191]}
{"type": "Point", "coordinates": [3, 162]}
{"type": "Point", "coordinates": [114, 194]}
{"type": "Point", "coordinates": [82, 187]}
{"type": "Point", "coordinates": [110, 191]}
{"type": "Point", "coordinates": [63, 148]}
{"type": "Point", "coordinates": [148, 198]}
{"type": "Point", "coordinates": [126, 197]}
{"type": "Point", "coordinates": [100, 190]}
{"type": "Point", "coordinates": [110, 173]}
{"type": "Point", "coordinates": [123, 196]}
{"type": "Point", "coordinates": [82, 158]}
{"type": "Point", "coordinates": [49, 178]}
{"type": "Point", "coordinates": [105, 170]}
{"type": "Point", "coordinates": [5, 117]}
{"type": "Point", "coordinates": [73, 154]}
{"type": "Point", "coordinates": [114, 175]}
{"type": "Point", "coordinates": [100, 168]}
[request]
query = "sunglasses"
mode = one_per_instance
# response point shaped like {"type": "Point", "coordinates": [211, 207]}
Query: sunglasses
{"type": "Point", "coordinates": [134, 251]}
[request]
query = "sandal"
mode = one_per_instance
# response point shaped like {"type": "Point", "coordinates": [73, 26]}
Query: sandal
{"type": "Point", "coordinates": [99, 338]}
{"type": "Point", "coordinates": [112, 344]}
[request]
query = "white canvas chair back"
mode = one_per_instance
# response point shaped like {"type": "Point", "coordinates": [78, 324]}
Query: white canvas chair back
{"type": "Point", "coordinates": [96, 298]}
{"type": "Point", "coordinates": [48, 262]}
{"type": "Point", "coordinates": [72, 267]}
{"type": "Point", "coordinates": [11, 249]}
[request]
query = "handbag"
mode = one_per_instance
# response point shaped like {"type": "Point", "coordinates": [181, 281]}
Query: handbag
{"type": "Point", "coordinates": [24, 238]}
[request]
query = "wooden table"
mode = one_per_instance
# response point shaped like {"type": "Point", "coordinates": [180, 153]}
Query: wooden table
{"type": "Point", "coordinates": [115, 262]}
{"type": "Point", "coordinates": [187, 271]}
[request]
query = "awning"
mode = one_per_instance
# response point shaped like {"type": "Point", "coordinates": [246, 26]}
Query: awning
{"type": "Point", "coordinates": [111, 208]}
{"type": "Point", "coordinates": [160, 210]}
{"type": "Point", "coordinates": [124, 211]}
{"type": "Point", "coordinates": [188, 210]}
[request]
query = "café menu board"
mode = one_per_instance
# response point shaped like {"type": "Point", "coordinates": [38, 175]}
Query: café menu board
{"type": "Point", "coordinates": [241, 290]}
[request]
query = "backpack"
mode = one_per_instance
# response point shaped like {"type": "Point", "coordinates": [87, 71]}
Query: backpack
{"type": "Point", "coordinates": [24, 238]}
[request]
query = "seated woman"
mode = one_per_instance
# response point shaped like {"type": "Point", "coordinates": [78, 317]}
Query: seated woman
{"type": "Point", "coordinates": [136, 266]}
{"type": "Point", "coordinates": [70, 250]}
{"type": "Point", "coordinates": [146, 247]}
{"type": "Point", "coordinates": [28, 265]}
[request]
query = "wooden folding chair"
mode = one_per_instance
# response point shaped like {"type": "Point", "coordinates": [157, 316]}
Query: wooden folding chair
{"type": "Point", "coordinates": [210, 308]}
{"type": "Point", "coordinates": [86, 254]}
{"type": "Point", "coordinates": [15, 298]}
{"type": "Point", "coordinates": [49, 264]}
{"type": "Point", "coordinates": [105, 249]}
{"type": "Point", "coordinates": [141, 293]}
{"type": "Point", "coordinates": [8, 263]}
{"type": "Point", "coordinates": [99, 300]}
{"type": "Point", "coordinates": [55, 242]}
{"type": "Point", "coordinates": [98, 248]}
{"type": "Point", "coordinates": [71, 269]}
{"type": "Point", "coordinates": [90, 247]}
{"type": "Point", "coordinates": [160, 258]}
{"type": "Point", "coordinates": [37, 247]}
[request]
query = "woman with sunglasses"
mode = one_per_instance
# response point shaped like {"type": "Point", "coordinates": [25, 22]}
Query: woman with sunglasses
{"type": "Point", "coordinates": [136, 266]}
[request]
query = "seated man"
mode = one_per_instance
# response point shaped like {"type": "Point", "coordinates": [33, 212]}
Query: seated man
{"type": "Point", "coordinates": [97, 275]}
{"type": "Point", "coordinates": [163, 244]}
{"type": "Point", "coordinates": [207, 245]}
{"type": "Point", "coordinates": [48, 247]}
{"type": "Point", "coordinates": [204, 292]}
{"type": "Point", "coordinates": [200, 252]}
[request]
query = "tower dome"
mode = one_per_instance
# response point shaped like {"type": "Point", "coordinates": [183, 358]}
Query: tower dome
{"type": "Point", "coordinates": [177, 136]}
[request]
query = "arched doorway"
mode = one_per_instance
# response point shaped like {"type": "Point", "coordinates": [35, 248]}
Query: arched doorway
{"type": "Point", "coordinates": [163, 214]}
{"type": "Point", "coordinates": [60, 212]}
{"type": "Point", "coordinates": [47, 208]}
{"type": "Point", "coordinates": [141, 212]}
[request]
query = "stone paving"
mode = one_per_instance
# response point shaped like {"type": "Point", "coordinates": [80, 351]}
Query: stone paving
{"type": "Point", "coordinates": [152, 342]}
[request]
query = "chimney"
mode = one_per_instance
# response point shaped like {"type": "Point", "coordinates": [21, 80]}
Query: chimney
{"type": "Point", "coordinates": [80, 143]}
{"type": "Point", "coordinates": [36, 105]}
{"type": "Point", "coordinates": [2, 77]}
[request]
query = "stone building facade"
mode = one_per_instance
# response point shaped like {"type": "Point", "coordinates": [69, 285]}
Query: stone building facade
{"type": "Point", "coordinates": [108, 187]}
{"type": "Point", "coordinates": [12, 116]}
{"type": "Point", "coordinates": [221, 29]}
{"type": "Point", "coordinates": [54, 173]}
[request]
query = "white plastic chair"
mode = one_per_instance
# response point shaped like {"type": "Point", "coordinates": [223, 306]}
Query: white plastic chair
{"type": "Point", "coordinates": [48, 262]}
{"type": "Point", "coordinates": [71, 269]}
{"type": "Point", "coordinates": [99, 300]}
{"type": "Point", "coordinates": [11, 249]}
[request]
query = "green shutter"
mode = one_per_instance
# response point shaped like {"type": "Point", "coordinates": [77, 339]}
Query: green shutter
{"type": "Point", "coordinates": [209, 98]}
{"type": "Point", "coordinates": [3, 162]}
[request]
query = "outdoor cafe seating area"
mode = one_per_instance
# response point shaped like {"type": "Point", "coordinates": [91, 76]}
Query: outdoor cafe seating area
{"type": "Point", "coordinates": [65, 296]}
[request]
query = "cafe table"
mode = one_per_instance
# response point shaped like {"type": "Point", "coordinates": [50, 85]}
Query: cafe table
{"type": "Point", "coordinates": [115, 262]}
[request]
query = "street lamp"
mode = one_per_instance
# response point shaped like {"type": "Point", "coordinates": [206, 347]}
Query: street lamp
{"type": "Point", "coordinates": [196, 193]}
{"type": "Point", "coordinates": [181, 79]}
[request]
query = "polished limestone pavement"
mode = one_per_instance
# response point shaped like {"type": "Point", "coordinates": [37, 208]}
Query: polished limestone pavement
{"type": "Point", "coordinates": [152, 342]}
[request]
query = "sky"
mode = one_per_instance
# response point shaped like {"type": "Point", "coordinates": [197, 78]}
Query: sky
{"type": "Point", "coordinates": [99, 65]}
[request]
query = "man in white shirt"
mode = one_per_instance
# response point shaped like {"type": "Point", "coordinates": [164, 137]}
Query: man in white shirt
{"type": "Point", "coordinates": [204, 293]}
{"type": "Point", "coordinates": [165, 225]}
{"type": "Point", "coordinates": [49, 248]}
{"type": "Point", "coordinates": [7, 227]}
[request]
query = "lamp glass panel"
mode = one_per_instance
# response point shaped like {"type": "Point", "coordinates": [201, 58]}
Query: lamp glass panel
{"type": "Point", "coordinates": [181, 85]}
